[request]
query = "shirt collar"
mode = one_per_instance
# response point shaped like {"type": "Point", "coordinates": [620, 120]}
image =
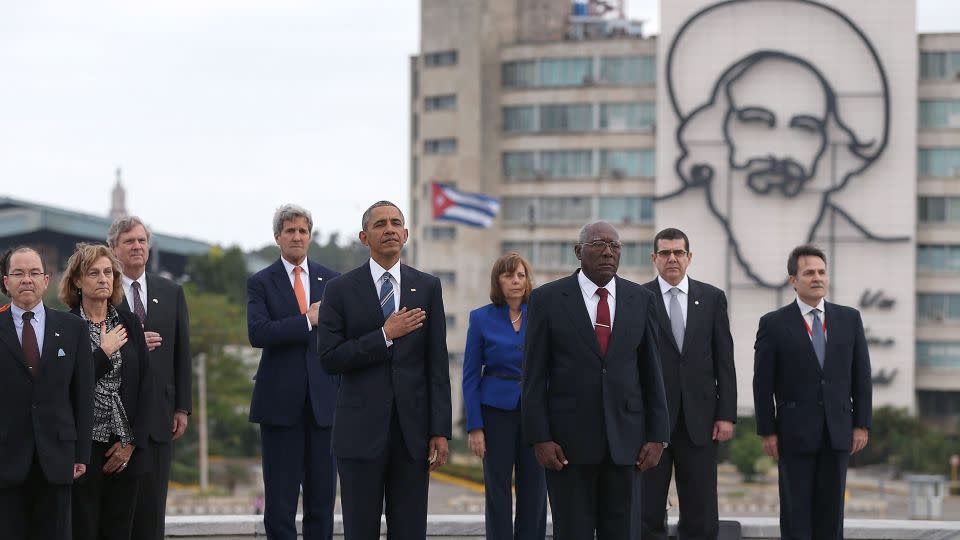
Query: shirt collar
{"type": "Point", "coordinates": [377, 271]}
{"type": "Point", "coordinates": [589, 288]}
{"type": "Point", "coordinates": [38, 313]}
{"type": "Point", "coordinates": [289, 266]}
{"type": "Point", "coordinates": [805, 309]}
{"type": "Point", "coordinates": [127, 282]}
{"type": "Point", "coordinates": [684, 285]}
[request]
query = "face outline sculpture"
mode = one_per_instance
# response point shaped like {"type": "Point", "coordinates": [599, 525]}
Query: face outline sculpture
{"type": "Point", "coordinates": [773, 127]}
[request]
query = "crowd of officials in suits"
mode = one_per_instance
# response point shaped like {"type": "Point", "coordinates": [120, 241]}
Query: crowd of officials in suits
{"type": "Point", "coordinates": [591, 391]}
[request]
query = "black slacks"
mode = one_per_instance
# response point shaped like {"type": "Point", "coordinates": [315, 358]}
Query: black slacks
{"type": "Point", "coordinates": [811, 492]}
{"type": "Point", "coordinates": [506, 453]}
{"type": "Point", "coordinates": [36, 509]}
{"type": "Point", "coordinates": [394, 482]}
{"type": "Point", "coordinates": [604, 499]}
{"type": "Point", "coordinates": [296, 457]}
{"type": "Point", "coordinates": [103, 504]}
{"type": "Point", "coordinates": [696, 473]}
{"type": "Point", "coordinates": [151, 509]}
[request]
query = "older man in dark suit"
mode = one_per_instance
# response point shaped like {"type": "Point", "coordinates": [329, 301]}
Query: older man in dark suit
{"type": "Point", "coordinates": [813, 397]}
{"type": "Point", "coordinates": [383, 330]}
{"type": "Point", "coordinates": [46, 366]}
{"type": "Point", "coordinates": [293, 396]}
{"type": "Point", "coordinates": [161, 307]}
{"type": "Point", "coordinates": [696, 351]}
{"type": "Point", "coordinates": [593, 404]}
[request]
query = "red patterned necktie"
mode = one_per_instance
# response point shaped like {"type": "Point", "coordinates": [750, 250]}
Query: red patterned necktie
{"type": "Point", "coordinates": [602, 326]}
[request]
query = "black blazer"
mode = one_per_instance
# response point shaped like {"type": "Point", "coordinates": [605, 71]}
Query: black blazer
{"type": "Point", "coordinates": [52, 413]}
{"type": "Point", "coordinates": [793, 396]}
{"type": "Point", "coordinates": [571, 393]}
{"type": "Point", "coordinates": [703, 377]}
{"type": "Point", "coordinates": [170, 364]}
{"type": "Point", "coordinates": [137, 387]}
{"type": "Point", "coordinates": [413, 374]}
{"type": "Point", "coordinates": [289, 365]}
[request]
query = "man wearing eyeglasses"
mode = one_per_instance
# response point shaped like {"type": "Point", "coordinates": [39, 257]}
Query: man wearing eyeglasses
{"type": "Point", "coordinates": [46, 366]}
{"type": "Point", "coordinates": [696, 353]}
{"type": "Point", "coordinates": [593, 404]}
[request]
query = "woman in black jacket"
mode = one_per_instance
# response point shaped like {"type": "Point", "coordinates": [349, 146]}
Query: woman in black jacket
{"type": "Point", "coordinates": [104, 498]}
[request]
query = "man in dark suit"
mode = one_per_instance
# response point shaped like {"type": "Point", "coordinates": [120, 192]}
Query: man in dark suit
{"type": "Point", "coordinates": [293, 396]}
{"type": "Point", "coordinates": [593, 403]}
{"type": "Point", "coordinates": [382, 328]}
{"type": "Point", "coordinates": [160, 306]}
{"type": "Point", "coordinates": [812, 393]}
{"type": "Point", "coordinates": [696, 352]}
{"type": "Point", "coordinates": [46, 366]}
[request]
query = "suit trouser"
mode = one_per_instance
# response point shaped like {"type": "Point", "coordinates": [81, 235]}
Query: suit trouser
{"type": "Point", "coordinates": [506, 451]}
{"type": "Point", "coordinates": [696, 472]}
{"type": "Point", "coordinates": [811, 492]}
{"type": "Point", "coordinates": [36, 509]}
{"type": "Point", "coordinates": [293, 457]}
{"type": "Point", "coordinates": [150, 513]}
{"type": "Point", "coordinates": [103, 504]}
{"type": "Point", "coordinates": [603, 498]}
{"type": "Point", "coordinates": [394, 478]}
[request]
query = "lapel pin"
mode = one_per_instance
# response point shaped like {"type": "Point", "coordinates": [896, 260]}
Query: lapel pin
{"type": "Point", "coordinates": [413, 290]}
{"type": "Point", "coordinates": [61, 353]}
{"type": "Point", "coordinates": [319, 278]}
{"type": "Point", "coordinates": [56, 334]}
{"type": "Point", "coordinates": [696, 302]}
{"type": "Point", "coordinates": [155, 301]}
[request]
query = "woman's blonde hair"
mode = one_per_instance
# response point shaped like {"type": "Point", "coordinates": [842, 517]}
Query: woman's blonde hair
{"type": "Point", "coordinates": [82, 259]}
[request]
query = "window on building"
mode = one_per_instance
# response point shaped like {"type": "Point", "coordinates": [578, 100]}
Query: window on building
{"type": "Point", "coordinates": [627, 163]}
{"type": "Point", "coordinates": [446, 277]}
{"type": "Point", "coordinates": [564, 210]}
{"type": "Point", "coordinates": [440, 58]}
{"type": "Point", "coordinates": [519, 210]}
{"type": "Point", "coordinates": [934, 258]}
{"type": "Point", "coordinates": [939, 113]}
{"type": "Point", "coordinates": [555, 255]}
{"type": "Point", "coordinates": [519, 74]}
{"type": "Point", "coordinates": [440, 146]}
{"type": "Point", "coordinates": [628, 70]}
{"type": "Point", "coordinates": [941, 162]}
{"type": "Point", "coordinates": [444, 102]}
{"type": "Point", "coordinates": [519, 165]}
{"type": "Point", "coordinates": [520, 119]}
{"type": "Point", "coordinates": [636, 255]}
{"type": "Point", "coordinates": [566, 117]}
{"type": "Point", "coordinates": [523, 248]}
{"type": "Point", "coordinates": [938, 307]}
{"type": "Point", "coordinates": [938, 209]}
{"type": "Point", "coordinates": [566, 71]}
{"type": "Point", "coordinates": [567, 163]}
{"type": "Point", "coordinates": [938, 354]}
{"type": "Point", "coordinates": [440, 233]}
{"type": "Point", "coordinates": [414, 126]}
{"type": "Point", "coordinates": [938, 403]}
{"type": "Point", "coordinates": [414, 170]}
{"type": "Point", "coordinates": [626, 209]}
{"type": "Point", "coordinates": [627, 116]}
{"type": "Point", "coordinates": [940, 65]}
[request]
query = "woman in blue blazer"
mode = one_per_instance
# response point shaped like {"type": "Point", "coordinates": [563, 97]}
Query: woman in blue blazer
{"type": "Point", "coordinates": [492, 368]}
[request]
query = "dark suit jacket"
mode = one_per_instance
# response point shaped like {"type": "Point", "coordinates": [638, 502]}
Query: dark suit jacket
{"type": "Point", "coordinates": [703, 377]}
{"type": "Point", "coordinates": [413, 374]}
{"type": "Point", "coordinates": [571, 392]}
{"type": "Point", "coordinates": [52, 413]}
{"type": "Point", "coordinates": [137, 385]}
{"type": "Point", "coordinates": [289, 367]}
{"type": "Point", "coordinates": [793, 396]}
{"type": "Point", "coordinates": [170, 363]}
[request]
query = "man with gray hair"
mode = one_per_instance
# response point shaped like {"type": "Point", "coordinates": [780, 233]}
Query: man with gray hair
{"type": "Point", "coordinates": [161, 308]}
{"type": "Point", "coordinates": [293, 397]}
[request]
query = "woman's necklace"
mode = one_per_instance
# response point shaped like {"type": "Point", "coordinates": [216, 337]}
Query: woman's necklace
{"type": "Point", "coordinates": [518, 318]}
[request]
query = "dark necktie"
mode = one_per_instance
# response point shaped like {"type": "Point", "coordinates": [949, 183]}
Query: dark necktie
{"type": "Point", "coordinates": [138, 308]}
{"type": "Point", "coordinates": [386, 296]}
{"type": "Point", "coordinates": [817, 336]}
{"type": "Point", "coordinates": [31, 351]}
{"type": "Point", "coordinates": [602, 327]}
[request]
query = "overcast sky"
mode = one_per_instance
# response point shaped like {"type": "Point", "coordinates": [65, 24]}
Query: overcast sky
{"type": "Point", "coordinates": [219, 111]}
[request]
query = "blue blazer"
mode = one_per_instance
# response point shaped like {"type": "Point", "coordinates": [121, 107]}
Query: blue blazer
{"type": "Point", "coordinates": [289, 369]}
{"type": "Point", "coordinates": [492, 346]}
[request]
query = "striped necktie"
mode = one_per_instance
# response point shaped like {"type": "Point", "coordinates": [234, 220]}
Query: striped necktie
{"type": "Point", "coordinates": [386, 296]}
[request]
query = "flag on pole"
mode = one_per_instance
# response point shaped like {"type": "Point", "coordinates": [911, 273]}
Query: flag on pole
{"type": "Point", "coordinates": [474, 209]}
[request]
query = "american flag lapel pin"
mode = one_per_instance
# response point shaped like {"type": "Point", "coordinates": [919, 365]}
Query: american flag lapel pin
{"type": "Point", "coordinates": [413, 290]}
{"type": "Point", "coordinates": [155, 301]}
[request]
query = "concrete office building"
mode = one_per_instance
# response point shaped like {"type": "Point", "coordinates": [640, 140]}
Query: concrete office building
{"type": "Point", "coordinates": [754, 126]}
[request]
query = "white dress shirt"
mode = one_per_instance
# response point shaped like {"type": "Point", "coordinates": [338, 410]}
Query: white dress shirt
{"type": "Point", "coordinates": [304, 280]}
{"type": "Point", "coordinates": [683, 297]}
{"type": "Point", "coordinates": [39, 322]}
{"type": "Point", "coordinates": [128, 290]}
{"type": "Point", "coordinates": [592, 299]}
{"type": "Point", "coordinates": [806, 311]}
{"type": "Point", "coordinates": [379, 273]}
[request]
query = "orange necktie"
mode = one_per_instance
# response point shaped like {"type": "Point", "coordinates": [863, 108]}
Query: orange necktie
{"type": "Point", "coordinates": [298, 289]}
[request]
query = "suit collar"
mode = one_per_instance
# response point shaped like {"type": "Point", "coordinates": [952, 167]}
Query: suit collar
{"type": "Point", "coordinates": [663, 317]}
{"type": "Point", "coordinates": [798, 327]}
{"type": "Point", "coordinates": [8, 336]}
{"type": "Point", "coordinates": [590, 288]}
{"type": "Point", "coordinates": [663, 286]}
{"type": "Point", "coordinates": [576, 309]}
{"type": "Point", "coordinates": [282, 282]}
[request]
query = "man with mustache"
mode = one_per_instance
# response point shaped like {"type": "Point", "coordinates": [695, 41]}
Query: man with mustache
{"type": "Point", "coordinates": [293, 396]}
{"type": "Point", "coordinates": [812, 395]}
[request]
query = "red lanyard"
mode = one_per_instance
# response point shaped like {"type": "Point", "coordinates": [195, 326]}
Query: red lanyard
{"type": "Point", "coordinates": [810, 330]}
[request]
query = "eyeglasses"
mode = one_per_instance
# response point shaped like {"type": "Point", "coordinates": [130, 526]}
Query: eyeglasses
{"type": "Point", "coordinates": [614, 245]}
{"type": "Point", "coordinates": [19, 274]}
{"type": "Point", "coordinates": [665, 253]}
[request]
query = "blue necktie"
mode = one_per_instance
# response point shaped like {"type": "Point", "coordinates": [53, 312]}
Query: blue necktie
{"type": "Point", "coordinates": [676, 317]}
{"type": "Point", "coordinates": [386, 296]}
{"type": "Point", "coordinates": [818, 337]}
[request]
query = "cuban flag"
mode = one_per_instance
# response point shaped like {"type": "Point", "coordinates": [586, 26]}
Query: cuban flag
{"type": "Point", "coordinates": [474, 209]}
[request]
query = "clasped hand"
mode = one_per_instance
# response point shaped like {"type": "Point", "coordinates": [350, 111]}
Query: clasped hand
{"type": "Point", "coordinates": [401, 323]}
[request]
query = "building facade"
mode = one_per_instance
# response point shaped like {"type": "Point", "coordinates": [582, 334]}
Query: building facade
{"type": "Point", "coordinates": [753, 126]}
